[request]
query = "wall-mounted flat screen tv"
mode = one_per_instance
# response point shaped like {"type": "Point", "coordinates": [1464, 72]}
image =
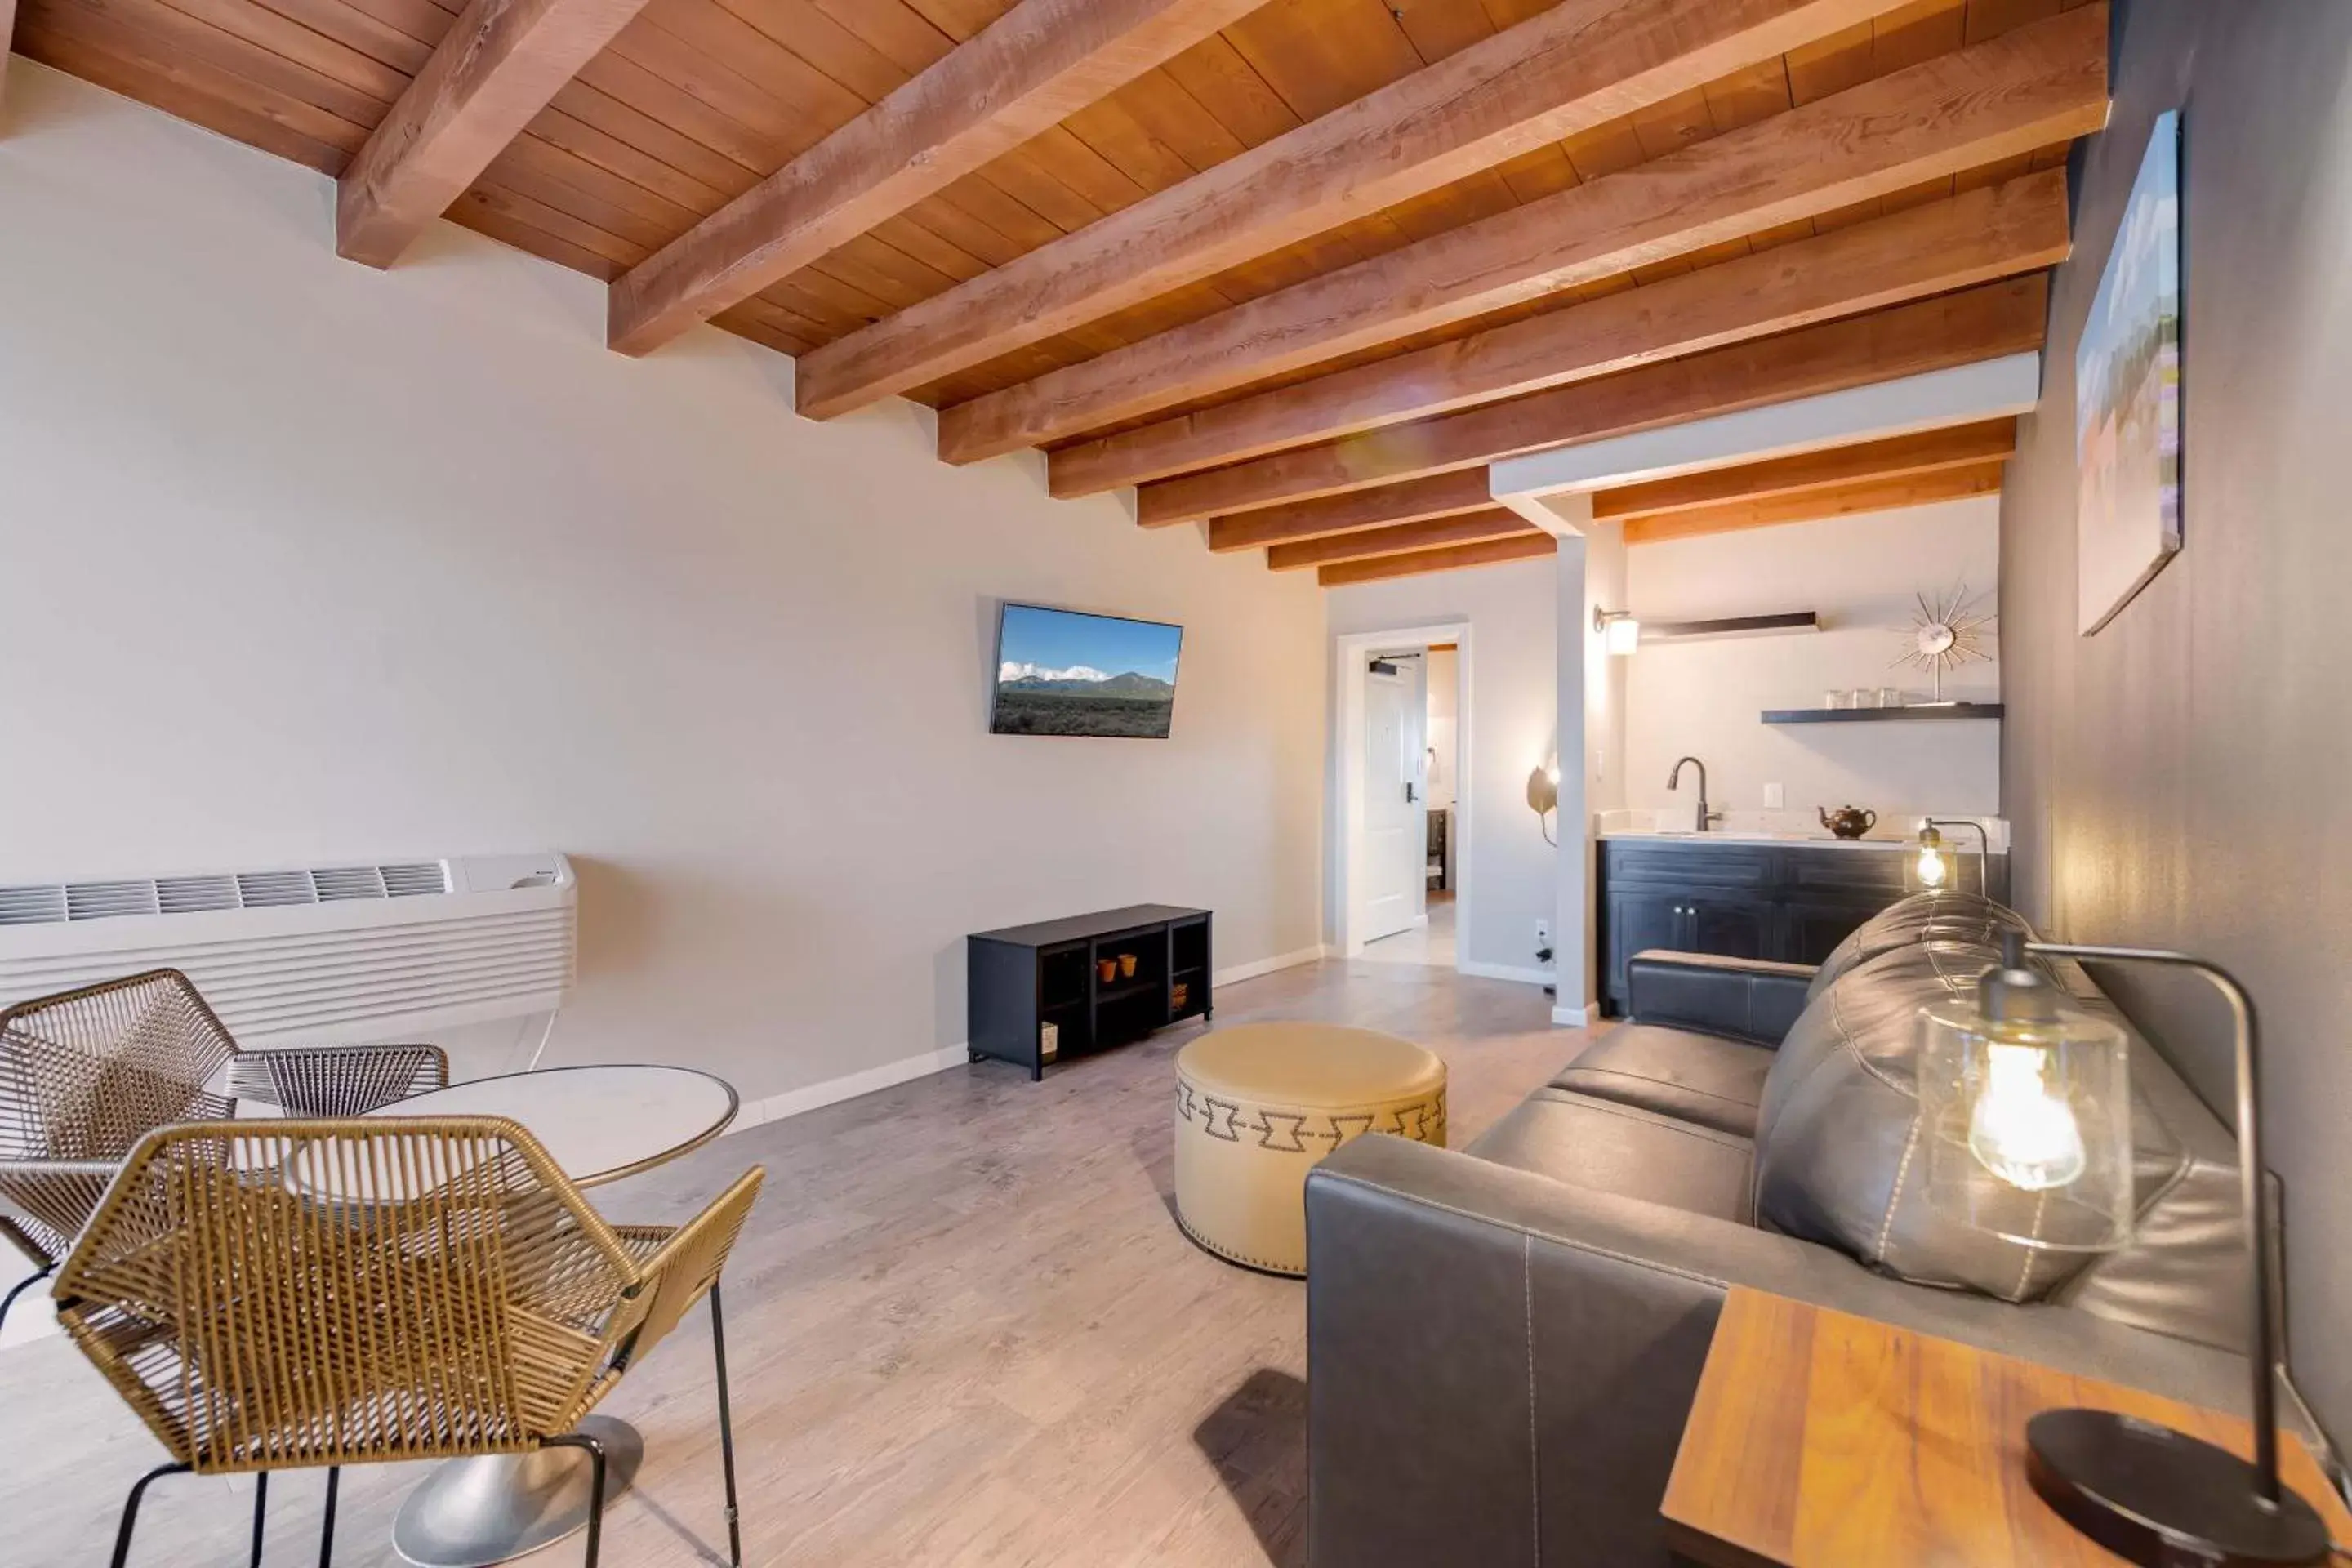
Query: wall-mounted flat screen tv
{"type": "Point", "coordinates": [1059, 672]}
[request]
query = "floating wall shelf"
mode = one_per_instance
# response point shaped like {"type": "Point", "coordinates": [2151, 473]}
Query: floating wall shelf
{"type": "Point", "coordinates": [1732, 626]}
{"type": "Point", "coordinates": [1882, 715]}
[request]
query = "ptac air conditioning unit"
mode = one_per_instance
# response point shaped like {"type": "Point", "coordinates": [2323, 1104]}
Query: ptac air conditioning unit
{"type": "Point", "coordinates": [339, 955]}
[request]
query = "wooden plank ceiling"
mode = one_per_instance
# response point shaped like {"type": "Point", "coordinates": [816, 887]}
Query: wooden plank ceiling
{"type": "Point", "coordinates": [1298, 268]}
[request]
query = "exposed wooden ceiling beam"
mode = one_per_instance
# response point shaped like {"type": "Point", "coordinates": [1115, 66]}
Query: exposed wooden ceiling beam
{"type": "Point", "coordinates": [2029, 88]}
{"type": "Point", "coordinates": [1931, 451]}
{"type": "Point", "coordinates": [1450, 559]}
{"type": "Point", "coordinates": [1366, 544]}
{"type": "Point", "coordinates": [1441, 495]}
{"type": "Point", "coordinates": [1569, 69]}
{"type": "Point", "coordinates": [1980, 479]}
{"type": "Point", "coordinates": [1985, 322]}
{"type": "Point", "coordinates": [1975, 237]}
{"type": "Point", "coordinates": [499, 66]}
{"type": "Point", "coordinates": [1026, 72]}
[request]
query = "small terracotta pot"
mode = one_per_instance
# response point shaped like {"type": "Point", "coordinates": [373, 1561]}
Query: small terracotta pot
{"type": "Point", "coordinates": [1126, 964]}
{"type": "Point", "coordinates": [1107, 968]}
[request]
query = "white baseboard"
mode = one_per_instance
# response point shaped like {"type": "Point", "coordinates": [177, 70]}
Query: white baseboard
{"type": "Point", "coordinates": [1571, 1017]}
{"type": "Point", "coordinates": [1256, 967]}
{"type": "Point", "coordinates": [833, 1091]}
{"type": "Point", "coordinates": [1530, 976]}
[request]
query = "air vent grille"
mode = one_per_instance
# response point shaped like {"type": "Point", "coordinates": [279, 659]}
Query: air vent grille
{"type": "Point", "coordinates": [195, 895]}
{"type": "Point", "coordinates": [348, 882]}
{"type": "Point", "coordinates": [57, 903]}
{"type": "Point", "coordinates": [109, 900]}
{"type": "Point", "coordinates": [32, 906]}
{"type": "Point", "coordinates": [408, 881]}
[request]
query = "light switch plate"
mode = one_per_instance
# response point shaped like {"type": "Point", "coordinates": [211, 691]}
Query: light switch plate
{"type": "Point", "coordinates": [1775, 797]}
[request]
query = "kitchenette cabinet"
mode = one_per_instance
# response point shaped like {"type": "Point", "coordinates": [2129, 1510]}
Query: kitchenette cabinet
{"type": "Point", "coordinates": [1791, 900]}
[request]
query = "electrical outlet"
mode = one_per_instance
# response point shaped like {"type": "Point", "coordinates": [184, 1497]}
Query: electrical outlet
{"type": "Point", "coordinates": [1543, 933]}
{"type": "Point", "coordinates": [1775, 797]}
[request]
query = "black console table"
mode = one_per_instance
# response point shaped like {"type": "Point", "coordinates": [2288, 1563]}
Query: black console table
{"type": "Point", "coordinates": [1024, 978]}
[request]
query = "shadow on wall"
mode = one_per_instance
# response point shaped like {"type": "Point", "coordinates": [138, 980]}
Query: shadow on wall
{"type": "Point", "coordinates": [615, 918]}
{"type": "Point", "coordinates": [949, 1021]}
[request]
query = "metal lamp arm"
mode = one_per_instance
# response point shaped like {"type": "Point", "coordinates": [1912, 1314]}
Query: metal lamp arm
{"type": "Point", "coordinates": [2253, 1194]}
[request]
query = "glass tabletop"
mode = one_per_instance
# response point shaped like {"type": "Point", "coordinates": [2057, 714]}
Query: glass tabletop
{"type": "Point", "coordinates": [599, 1123]}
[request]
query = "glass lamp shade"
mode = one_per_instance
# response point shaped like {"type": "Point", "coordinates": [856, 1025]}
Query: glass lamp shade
{"type": "Point", "coordinates": [2027, 1123]}
{"type": "Point", "coordinates": [1934, 869]}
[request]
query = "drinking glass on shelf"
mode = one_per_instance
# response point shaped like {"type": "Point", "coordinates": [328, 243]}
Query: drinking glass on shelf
{"type": "Point", "coordinates": [1833, 700]}
{"type": "Point", "coordinates": [1890, 697]}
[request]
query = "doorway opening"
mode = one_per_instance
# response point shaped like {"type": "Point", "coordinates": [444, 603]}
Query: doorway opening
{"type": "Point", "coordinates": [1401, 768]}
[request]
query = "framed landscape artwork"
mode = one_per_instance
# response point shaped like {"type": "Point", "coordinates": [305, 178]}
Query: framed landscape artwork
{"type": "Point", "coordinates": [2128, 395]}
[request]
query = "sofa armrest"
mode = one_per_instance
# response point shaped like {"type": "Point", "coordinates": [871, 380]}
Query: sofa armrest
{"type": "Point", "coordinates": [1749, 999]}
{"type": "Point", "coordinates": [1499, 1365]}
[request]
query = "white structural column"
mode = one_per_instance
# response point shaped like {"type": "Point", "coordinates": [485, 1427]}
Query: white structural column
{"type": "Point", "coordinates": [1572, 924]}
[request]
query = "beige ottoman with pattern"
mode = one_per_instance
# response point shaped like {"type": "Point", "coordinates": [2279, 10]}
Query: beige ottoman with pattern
{"type": "Point", "coordinates": [1258, 1104]}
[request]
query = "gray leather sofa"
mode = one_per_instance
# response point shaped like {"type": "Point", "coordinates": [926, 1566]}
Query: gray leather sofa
{"type": "Point", "coordinates": [1503, 1341]}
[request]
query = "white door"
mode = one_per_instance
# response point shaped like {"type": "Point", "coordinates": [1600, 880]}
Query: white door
{"type": "Point", "coordinates": [1395, 839]}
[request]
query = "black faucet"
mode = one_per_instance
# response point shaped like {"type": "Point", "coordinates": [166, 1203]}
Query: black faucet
{"type": "Point", "coordinates": [1675, 779]}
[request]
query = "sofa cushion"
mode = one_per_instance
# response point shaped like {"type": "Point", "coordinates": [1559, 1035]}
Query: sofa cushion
{"type": "Point", "coordinates": [1963, 918]}
{"type": "Point", "coordinates": [1715, 1082]}
{"type": "Point", "coordinates": [1839, 1156]}
{"type": "Point", "coordinates": [1623, 1149]}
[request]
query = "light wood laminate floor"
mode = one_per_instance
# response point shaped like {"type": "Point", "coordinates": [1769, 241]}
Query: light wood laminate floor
{"type": "Point", "coordinates": [962, 1326]}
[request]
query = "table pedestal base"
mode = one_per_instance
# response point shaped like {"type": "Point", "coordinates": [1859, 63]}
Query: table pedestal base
{"type": "Point", "coordinates": [472, 1513]}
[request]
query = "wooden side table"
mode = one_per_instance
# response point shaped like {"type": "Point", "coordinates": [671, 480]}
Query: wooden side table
{"type": "Point", "coordinates": [1820, 1439]}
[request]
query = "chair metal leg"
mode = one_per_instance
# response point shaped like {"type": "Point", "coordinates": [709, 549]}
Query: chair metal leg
{"type": "Point", "coordinates": [131, 1509]}
{"type": "Point", "coordinates": [595, 1488]}
{"type": "Point", "coordinates": [327, 1529]}
{"type": "Point", "coordinates": [21, 1287]}
{"type": "Point", "coordinates": [261, 1511]}
{"type": "Point", "coordinates": [726, 1428]}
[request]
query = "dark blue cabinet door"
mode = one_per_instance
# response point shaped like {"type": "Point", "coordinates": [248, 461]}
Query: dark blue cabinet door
{"type": "Point", "coordinates": [1639, 919]}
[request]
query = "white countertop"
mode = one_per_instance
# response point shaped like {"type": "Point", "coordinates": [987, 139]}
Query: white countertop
{"type": "Point", "coordinates": [1893, 830]}
{"type": "Point", "coordinates": [1807, 840]}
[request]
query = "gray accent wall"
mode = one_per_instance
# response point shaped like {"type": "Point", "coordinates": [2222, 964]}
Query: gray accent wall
{"type": "Point", "coordinates": [2179, 779]}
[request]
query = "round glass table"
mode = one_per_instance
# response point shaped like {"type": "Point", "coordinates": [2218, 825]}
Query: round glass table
{"type": "Point", "coordinates": [599, 1124]}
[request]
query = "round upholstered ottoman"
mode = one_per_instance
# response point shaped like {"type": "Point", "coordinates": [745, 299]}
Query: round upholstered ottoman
{"type": "Point", "coordinates": [1258, 1104]}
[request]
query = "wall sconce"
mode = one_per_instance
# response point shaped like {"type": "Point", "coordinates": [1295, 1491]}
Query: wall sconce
{"type": "Point", "coordinates": [1620, 630]}
{"type": "Point", "coordinates": [1935, 866]}
{"type": "Point", "coordinates": [1543, 796]}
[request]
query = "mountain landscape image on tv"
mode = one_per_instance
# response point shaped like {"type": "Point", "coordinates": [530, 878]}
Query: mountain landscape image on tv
{"type": "Point", "coordinates": [1059, 672]}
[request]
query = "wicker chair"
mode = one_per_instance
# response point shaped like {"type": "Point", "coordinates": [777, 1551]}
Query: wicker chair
{"type": "Point", "coordinates": [274, 1295]}
{"type": "Point", "coordinates": [83, 1075]}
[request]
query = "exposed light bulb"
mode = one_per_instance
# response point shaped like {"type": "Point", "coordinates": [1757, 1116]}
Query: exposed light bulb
{"type": "Point", "coordinates": [1932, 869]}
{"type": "Point", "coordinates": [2021, 1130]}
{"type": "Point", "coordinates": [1551, 772]}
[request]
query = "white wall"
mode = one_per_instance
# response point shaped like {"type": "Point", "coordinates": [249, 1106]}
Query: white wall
{"type": "Point", "coordinates": [305, 562]}
{"type": "Point", "coordinates": [1859, 573]}
{"type": "Point", "coordinates": [1513, 721]}
{"type": "Point", "coordinates": [1444, 673]}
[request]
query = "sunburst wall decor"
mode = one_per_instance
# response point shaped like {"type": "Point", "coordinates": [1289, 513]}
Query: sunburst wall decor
{"type": "Point", "coordinates": [1946, 632]}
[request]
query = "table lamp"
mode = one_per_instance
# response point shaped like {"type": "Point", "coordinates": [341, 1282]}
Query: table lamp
{"type": "Point", "coordinates": [1934, 864]}
{"type": "Point", "coordinates": [2026, 1100]}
